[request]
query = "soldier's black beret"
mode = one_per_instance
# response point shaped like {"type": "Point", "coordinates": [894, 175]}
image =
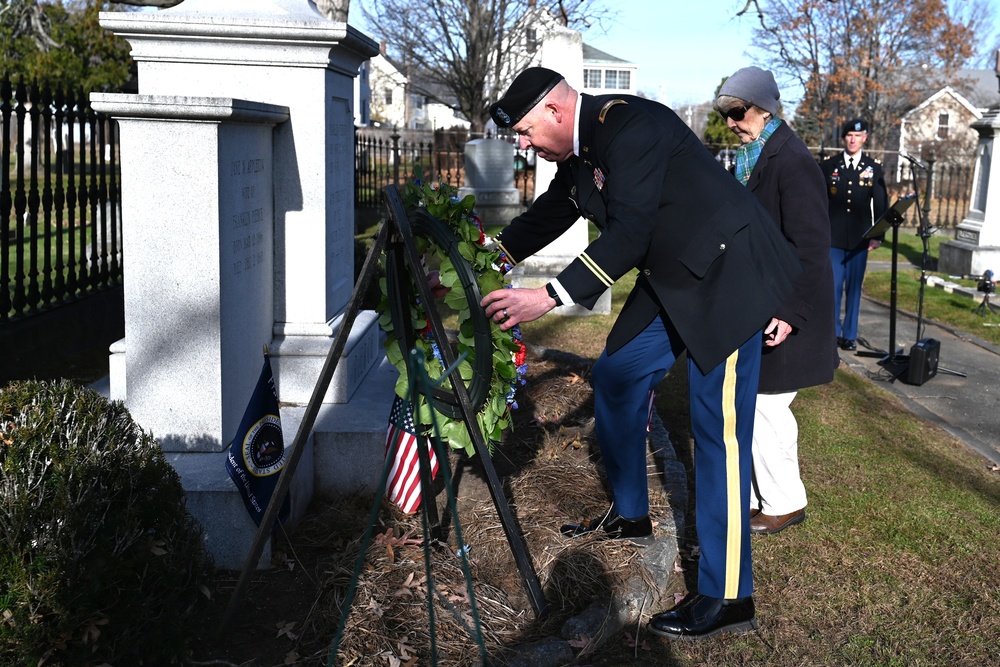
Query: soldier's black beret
{"type": "Point", "coordinates": [856, 125]}
{"type": "Point", "coordinates": [528, 89]}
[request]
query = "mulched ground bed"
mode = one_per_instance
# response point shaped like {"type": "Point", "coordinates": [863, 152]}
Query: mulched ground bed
{"type": "Point", "coordinates": [550, 472]}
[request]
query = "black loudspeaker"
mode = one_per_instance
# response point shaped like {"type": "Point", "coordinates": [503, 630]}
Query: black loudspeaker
{"type": "Point", "coordinates": [923, 361]}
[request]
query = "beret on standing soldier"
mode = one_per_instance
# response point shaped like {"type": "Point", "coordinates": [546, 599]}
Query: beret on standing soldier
{"type": "Point", "coordinates": [856, 125]}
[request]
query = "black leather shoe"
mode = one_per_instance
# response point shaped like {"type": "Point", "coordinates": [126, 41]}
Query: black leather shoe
{"type": "Point", "coordinates": [701, 617]}
{"type": "Point", "coordinates": [848, 344]}
{"type": "Point", "coordinates": [616, 527]}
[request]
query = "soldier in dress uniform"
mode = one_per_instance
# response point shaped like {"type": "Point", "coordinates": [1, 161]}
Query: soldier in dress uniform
{"type": "Point", "coordinates": [713, 268]}
{"type": "Point", "coordinates": [858, 197]}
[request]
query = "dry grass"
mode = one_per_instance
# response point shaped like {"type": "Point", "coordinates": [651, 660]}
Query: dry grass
{"type": "Point", "coordinates": [550, 474]}
{"type": "Point", "coordinates": [896, 564]}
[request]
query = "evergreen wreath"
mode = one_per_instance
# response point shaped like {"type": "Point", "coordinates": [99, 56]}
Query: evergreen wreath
{"type": "Point", "coordinates": [446, 230]}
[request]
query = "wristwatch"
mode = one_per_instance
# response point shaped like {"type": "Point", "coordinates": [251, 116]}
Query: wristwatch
{"type": "Point", "coordinates": [552, 293]}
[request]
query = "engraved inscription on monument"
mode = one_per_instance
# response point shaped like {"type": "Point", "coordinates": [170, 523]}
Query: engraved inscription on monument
{"type": "Point", "coordinates": [249, 179]}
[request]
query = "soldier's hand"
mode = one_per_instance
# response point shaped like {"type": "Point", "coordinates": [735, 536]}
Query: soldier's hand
{"type": "Point", "coordinates": [512, 305]}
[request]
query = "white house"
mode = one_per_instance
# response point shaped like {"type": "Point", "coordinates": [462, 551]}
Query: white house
{"type": "Point", "coordinates": [941, 122]}
{"type": "Point", "coordinates": [604, 73]}
{"type": "Point", "coordinates": [387, 95]}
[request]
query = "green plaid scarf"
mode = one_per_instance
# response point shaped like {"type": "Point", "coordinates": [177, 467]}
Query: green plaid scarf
{"type": "Point", "coordinates": [747, 154]}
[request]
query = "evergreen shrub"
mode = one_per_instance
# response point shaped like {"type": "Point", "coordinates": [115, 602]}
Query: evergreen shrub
{"type": "Point", "coordinates": [100, 563]}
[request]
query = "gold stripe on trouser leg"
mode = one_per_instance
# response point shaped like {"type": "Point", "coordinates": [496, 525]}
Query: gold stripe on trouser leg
{"type": "Point", "coordinates": [734, 520]}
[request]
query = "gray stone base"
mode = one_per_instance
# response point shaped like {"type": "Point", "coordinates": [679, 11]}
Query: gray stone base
{"type": "Point", "coordinates": [495, 206]}
{"type": "Point", "coordinates": [298, 359]}
{"type": "Point", "coordinates": [344, 454]}
{"type": "Point", "coordinates": [349, 450]}
{"type": "Point", "coordinates": [498, 215]}
{"type": "Point", "coordinates": [214, 501]}
{"type": "Point", "coordinates": [960, 258]}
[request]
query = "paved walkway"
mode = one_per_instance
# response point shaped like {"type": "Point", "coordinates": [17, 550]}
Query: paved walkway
{"type": "Point", "coordinates": [967, 407]}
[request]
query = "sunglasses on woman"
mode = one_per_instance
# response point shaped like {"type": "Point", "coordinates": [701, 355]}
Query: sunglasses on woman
{"type": "Point", "coordinates": [736, 113]}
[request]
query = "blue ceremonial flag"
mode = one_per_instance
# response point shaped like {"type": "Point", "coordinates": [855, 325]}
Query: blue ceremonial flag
{"type": "Point", "coordinates": [257, 453]}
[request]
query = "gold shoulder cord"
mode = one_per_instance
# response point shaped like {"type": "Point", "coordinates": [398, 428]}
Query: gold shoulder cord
{"type": "Point", "coordinates": [608, 105]}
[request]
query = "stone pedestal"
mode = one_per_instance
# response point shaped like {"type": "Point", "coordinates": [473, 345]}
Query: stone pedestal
{"type": "Point", "coordinates": [279, 52]}
{"type": "Point", "coordinates": [199, 301]}
{"type": "Point", "coordinates": [238, 178]}
{"type": "Point", "coordinates": [489, 177]}
{"type": "Point", "coordinates": [199, 304]}
{"type": "Point", "coordinates": [976, 247]}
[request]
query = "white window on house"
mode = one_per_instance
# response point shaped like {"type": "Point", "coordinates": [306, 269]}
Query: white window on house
{"type": "Point", "coordinates": [942, 128]}
{"type": "Point", "coordinates": [387, 96]}
{"type": "Point", "coordinates": [531, 40]}
{"type": "Point", "coordinates": [617, 79]}
{"type": "Point", "coordinates": [417, 101]}
{"type": "Point", "coordinates": [591, 78]}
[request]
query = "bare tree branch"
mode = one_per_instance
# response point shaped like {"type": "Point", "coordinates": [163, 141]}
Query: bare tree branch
{"type": "Point", "coordinates": [871, 58]}
{"type": "Point", "coordinates": [162, 4]}
{"type": "Point", "coordinates": [470, 48]}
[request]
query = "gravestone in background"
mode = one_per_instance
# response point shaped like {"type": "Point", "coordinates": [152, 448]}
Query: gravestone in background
{"type": "Point", "coordinates": [489, 177]}
{"type": "Point", "coordinates": [976, 247]}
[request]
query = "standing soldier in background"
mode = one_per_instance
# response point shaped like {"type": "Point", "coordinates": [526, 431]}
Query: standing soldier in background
{"type": "Point", "coordinates": [856, 188]}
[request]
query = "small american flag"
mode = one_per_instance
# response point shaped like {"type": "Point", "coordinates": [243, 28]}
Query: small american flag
{"type": "Point", "coordinates": [403, 483]}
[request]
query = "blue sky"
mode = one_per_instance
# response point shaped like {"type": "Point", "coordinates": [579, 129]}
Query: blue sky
{"type": "Point", "coordinates": [683, 49]}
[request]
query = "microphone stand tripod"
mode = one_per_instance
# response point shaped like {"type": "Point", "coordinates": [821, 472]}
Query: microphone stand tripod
{"type": "Point", "coordinates": [893, 360]}
{"type": "Point", "coordinates": [925, 233]}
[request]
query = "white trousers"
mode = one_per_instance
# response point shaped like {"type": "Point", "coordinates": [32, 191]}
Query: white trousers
{"type": "Point", "coordinates": [776, 487]}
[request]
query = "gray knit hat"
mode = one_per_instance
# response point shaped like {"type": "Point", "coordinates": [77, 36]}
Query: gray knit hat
{"type": "Point", "coordinates": [753, 85]}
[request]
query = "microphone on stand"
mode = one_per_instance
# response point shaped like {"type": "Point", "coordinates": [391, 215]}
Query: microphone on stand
{"type": "Point", "coordinates": [912, 160]}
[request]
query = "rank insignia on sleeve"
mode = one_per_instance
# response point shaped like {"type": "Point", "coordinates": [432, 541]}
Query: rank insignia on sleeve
{"type": "Point", "coordinates": [598, 178]}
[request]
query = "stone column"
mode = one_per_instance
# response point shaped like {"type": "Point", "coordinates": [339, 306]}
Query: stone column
{"type": "Point", "coordinates": [281, 52]}
{"type": "Point", "coordinates": [976, 247]}
{"type": "Point", "coordinates": [238, 177]}
{"type": "Point", "coordinates": [199, 296]}
{"type": "Point", "coordinates": [561, 51]}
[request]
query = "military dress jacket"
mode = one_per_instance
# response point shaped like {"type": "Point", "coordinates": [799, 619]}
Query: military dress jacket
{"type": "Point", "coordinates": [857, 198]}
{"type": "Point", "coordinates": [707, 253]}
{"type": "Point", "coordinates": [789, 183]}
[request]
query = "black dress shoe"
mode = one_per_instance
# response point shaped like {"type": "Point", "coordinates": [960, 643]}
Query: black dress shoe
{"type": "Point", "coordinates": [701, 617]}
{"type": "Point", "coordinates": [848, 344]}
{"type": "Point", "coordinates": [616, 527]}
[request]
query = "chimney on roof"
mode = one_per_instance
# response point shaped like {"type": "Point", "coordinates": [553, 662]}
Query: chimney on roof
{"type": "Point", "coordinates": [381, 47]}
{"type": "Point", "coordinates": [997, 68]}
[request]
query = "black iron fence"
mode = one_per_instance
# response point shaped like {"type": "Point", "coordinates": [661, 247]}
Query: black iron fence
{"type": "Point", "coordinates": [382, 157]}
{"type": "Point", "coordinates": [60, 200]}
{"type": "Point", "coordinates": [949, 184]}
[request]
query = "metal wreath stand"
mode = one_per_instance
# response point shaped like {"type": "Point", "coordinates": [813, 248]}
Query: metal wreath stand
{"type": "Point", "coordinates": [395, 237]}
